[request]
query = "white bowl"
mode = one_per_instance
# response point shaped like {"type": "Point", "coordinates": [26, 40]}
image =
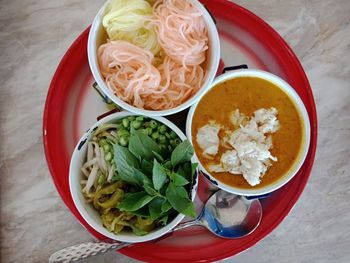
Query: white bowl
{"type": "Point", "coordinates": [97, 36]}
{"type": "Point", "coordinates": [306, 132]}
{"type": "Point", "coordinates": [87, 211]}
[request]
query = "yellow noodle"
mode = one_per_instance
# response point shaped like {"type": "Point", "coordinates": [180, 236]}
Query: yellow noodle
{"type": "Point", "coordinates": [129, 20]}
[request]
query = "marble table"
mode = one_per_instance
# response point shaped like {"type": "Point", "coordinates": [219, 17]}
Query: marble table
{"type": "Point", "coordinates": [35, 34]}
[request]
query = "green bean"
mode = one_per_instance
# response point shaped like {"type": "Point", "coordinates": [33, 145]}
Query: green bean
{"type": "Point", "coordinates": [106, 147]}
{"type": "Point", "coordinates": [162, 146]}
{"type": "Point", "coordinates": [122, 132]}
{"type": "Point", "coordinates": [140, 118]}
{"type": "Point", "coordinates": [144, 131]}
{"type": "Point", "coordinates": [155, 135]}
{"type": "Point", "coordinates": [167, 135]}
{"type": "Point", "coordinates": [162, 139]}
{"type": "Point", "coordinates": [124, 140]}
{"type": "Point", "coordinates": [149, 131]}
{"type": "Point", "coordinates": [162, 129]}
{"type": "Point", "coordinates": [125, 123]}
{"type": "Point", "coordinates": [136, 124]}
{"type": "Point", "coordinates": [177, 141]}
{"type": "Point", "coordinates": [108, 156]}
{"type": "Point", "coordinates": [131, 118]}
{"type": "Point", "coordinates": [172, 142]}
{"type": "Point", "coordinates": [101, 179]}
{"type": "Point", "coordinates": [173, 134]}
{"type": "Point", "coordinates": [102, 142]}
{"type": "Point", "coordinates": [153, 124]}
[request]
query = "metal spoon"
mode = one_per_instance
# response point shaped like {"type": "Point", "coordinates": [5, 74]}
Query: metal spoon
{"type": "Point", "coordinates": [225, 215]}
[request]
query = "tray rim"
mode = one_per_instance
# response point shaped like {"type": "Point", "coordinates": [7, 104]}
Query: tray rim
{"type": "Point", "coordinates": [311, 112]}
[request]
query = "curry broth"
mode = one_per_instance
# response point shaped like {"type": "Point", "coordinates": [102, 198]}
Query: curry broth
{"type": "Point", "coordinates": [249, 94]}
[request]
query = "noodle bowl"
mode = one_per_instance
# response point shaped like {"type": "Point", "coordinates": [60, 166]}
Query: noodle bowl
{"type": "Point", "coordinates": [159, 83]}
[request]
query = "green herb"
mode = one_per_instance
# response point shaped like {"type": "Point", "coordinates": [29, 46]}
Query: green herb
{"type": "Point", "coordinates": [157, 166]}
{"type": "Point", "coordinates": [178, 198]}
{"type": "Point", "coordinates": [182, 153]}
{"type": "Point", "coordinates": [166, 206]}
{"type": "Point", "coordinates": [137, 231]}
{"type": "Point", "coordinates": [134, 201]}
{"type": "Point", "coordinates": [146, 167]}
{"type": "Point", "coordinates": [155, 208]}
{"type": "Point", "coordinates": [178, 179]}
{"type": "Point", "coordinates": [163, 221]}
{"type": "Point", "coordinates": [128, 166]}
{"type": "Point", "coordinates": [141, 145]}
{"type": "Point", "coordinates": [159, 175]}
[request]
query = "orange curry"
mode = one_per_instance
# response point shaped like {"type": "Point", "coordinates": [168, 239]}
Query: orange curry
{"type": "Point", "coordinates": [249, 94]}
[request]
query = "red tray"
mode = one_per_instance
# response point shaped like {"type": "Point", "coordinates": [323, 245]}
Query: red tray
{"type": "Point", "coordinates": [72, 106]}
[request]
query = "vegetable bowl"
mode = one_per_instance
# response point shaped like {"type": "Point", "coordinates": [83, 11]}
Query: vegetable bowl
{"type": "Point", "coordinates": [132, 178]}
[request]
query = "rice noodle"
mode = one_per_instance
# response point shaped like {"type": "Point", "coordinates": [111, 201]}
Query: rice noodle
{"type": "Point", "coordinates": [91, 179]}
{"type": "Point", "coordinates": [181, 31]}
{"type": "Point", "coordinates": [129, 73]}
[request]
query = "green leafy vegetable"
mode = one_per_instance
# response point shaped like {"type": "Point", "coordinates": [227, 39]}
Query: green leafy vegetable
{"type": "Point", "coordinates": [147, 167]}
{"type": "Point", "coordinates": [178, 198]}
{"type": "Point", "coordinates": [159, 175]}
{"type": "Point", "coordinates": [178, 179]}
{"type": "Point", "coordinates": [182, 153]}
{"type": "Point", "coordinates": [135, 201]}
{"type": "Point", "coordinates": [155, 206]}
{"type": "Point", "coordinates": [137, 231]}
{"type": "Point", "coordinates": [158, 156]}
{"type": "Point", "coordinates": [150, 190]}
{"type": "Point", "coordinates": [142, 146]}
{"type": "Point", "coordinates": [163, 221]}
{"type": "Point", "coordinates": [166, 206]}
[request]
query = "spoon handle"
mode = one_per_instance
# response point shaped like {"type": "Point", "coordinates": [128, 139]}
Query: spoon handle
{"type": "Point", "coordinates": [88, 249]}
{"type": "Point", "coordinates": [84, 250]}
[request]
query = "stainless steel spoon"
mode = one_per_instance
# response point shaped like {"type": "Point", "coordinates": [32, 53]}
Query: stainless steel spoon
{"type": "Point", "coordinates": [225, 215]}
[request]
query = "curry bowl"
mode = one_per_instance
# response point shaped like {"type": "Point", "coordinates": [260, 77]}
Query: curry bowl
{"type": "Point", "coordinates": [250, 132]}
{"type": "Point", "coordinates": [97, 201]}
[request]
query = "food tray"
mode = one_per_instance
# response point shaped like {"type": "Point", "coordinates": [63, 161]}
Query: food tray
{"type": "Point", "coordinates": [72, 105]}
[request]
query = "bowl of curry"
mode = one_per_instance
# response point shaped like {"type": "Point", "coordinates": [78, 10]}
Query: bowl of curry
{"type": "Point", "coordinates": [250, 132]}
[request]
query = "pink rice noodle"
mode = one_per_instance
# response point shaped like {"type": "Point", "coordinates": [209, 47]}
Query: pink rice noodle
{"type": "Point", "coordinates": [181, 30]}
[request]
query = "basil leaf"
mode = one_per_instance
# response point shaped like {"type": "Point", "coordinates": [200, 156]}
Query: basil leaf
{"type": "Point", "coordinates": [154, 207]}
{"type": "Point", "coordinates": [143, 211]}
{"type": "Point", "coordinates": [146, 167]}
{"type": "Point", "coordinates": [137, 231]}
{"type": "Point", "coordinates": [159, 175]}
{"type": "Point", "coordinates": [178, 198]}
{"type": "Point", "coordinates": [178, 179]}
{"type": "Point", "coordinates": [182, 153]}
{"type": "Point", "coordinates": [158, 156]}
{"type": "Point", "coordinates": [127, 165]}
{"type": "Point", "coordinates": [150, 190]}
{"type": "Point", "coordinates": [166, 206]}
{"type": "Point", "coordinates": [193, 168]}
{"type": "Point", "coordinates": [142, 146]}
{"type": "Point", "coordinates": [163, 221]}
{"type": "Point", "coordinates": [185, 170]}
{"type": "Point", "coordinates": [135, 201]}
{"type": "Point", "coordinates": [168, 165]}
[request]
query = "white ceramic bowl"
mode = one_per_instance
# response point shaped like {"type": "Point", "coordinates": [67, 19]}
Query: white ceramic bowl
{"type": "Point", "coordinates": [306, 131]}
{"type": "Point", "coordinates": [87, 211]}
{"type": "Point", "coordinates": [97, 36]}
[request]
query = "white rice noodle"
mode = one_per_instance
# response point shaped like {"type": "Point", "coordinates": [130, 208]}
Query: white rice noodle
{"type": "Point", "coordinates": [110, 173]}
{"type": "Point", "coordinates": [90, 151]}
{"type": "Point", "coordinates": [91, 180]}
{"type": "Point", "coordinates": [103, 165]}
